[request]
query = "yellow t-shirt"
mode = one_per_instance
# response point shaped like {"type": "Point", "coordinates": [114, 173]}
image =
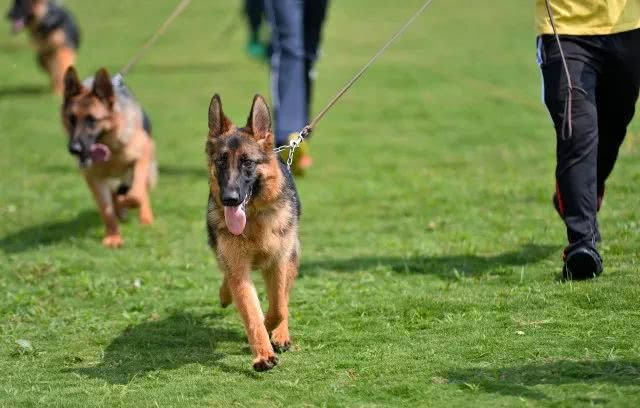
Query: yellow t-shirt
{"type": "Point", "coordinates": [588, 17]}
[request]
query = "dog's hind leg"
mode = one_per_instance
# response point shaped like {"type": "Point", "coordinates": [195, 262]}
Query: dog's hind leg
{"type": "Point", "coordinates": [121, 209]}
{"type": "Point", "coordinates": [138, 195]}
{"type": "Point", "coordinates": [225, 293]}
{"type": "Point", "coordinates": [152, 179]}
{"type": "Point", "coordinates": [246, 301]}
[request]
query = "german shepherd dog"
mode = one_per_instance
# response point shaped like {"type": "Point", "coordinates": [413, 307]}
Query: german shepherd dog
{"type": "Point", "coordinates": [252, 221]}
{"type": "Point", "coordinates": [54, 34]}
{"type": "Point", "coordinates": [111, 137]}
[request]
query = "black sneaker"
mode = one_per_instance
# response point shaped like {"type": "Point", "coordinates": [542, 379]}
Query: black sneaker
{"type": "Point", "coordinates": [581, 264]}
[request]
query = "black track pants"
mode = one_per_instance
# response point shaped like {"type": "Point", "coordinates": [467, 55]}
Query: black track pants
{"type": "Point", "coordinates": [606, 68]}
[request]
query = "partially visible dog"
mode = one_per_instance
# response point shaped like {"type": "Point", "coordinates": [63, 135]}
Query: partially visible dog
{"type": "Point", "coordinates": [111, 137]}
{"type": "Point", "coordinates": [252, 220]}
{"type": "Point", "coordinates": [54, 34]}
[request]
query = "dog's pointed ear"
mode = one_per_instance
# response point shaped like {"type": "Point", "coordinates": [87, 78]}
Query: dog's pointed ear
{"type": "Point", "coordinates": [218, 122]}
{"type": "Point", "coordinates": [260, 121]}
{"type": "Point", "coordinates": [103, 88]}
{"type": "Point", "coordinates": [72, 84]}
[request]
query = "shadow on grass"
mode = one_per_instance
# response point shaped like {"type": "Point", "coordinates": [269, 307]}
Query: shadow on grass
{"type": "Point", "coordinates": [50, 233]}
{"type": "Point", "coordinates": [443, 266]}
{"type": "Point", "coordinates": [13, 47]}
{"type": "Point", "coordinates": [519, 381]}
{"type": "Point", "coordinates": [163, 170]}
{"type": "Point", "coordinates": [167, 344]}
{"type": "Point", "coordinates": [23, 90]}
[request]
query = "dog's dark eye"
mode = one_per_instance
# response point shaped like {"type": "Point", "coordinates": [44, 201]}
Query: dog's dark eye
{"type": "Point", "coordinates": [221, 161]}
{"type": "Point", "coordinates": [73, 120]}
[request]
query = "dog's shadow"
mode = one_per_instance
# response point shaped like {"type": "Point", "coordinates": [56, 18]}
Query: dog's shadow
{"type": "Point", "coordinates": [519, 381]}
{"type": "Point", "coordinates": [167, 344]}
{"type": "Point", "coordinates": [25, 90]}
{"type": "Point", "coordinates": [50, 233]}
{"type": "Point", "coordinates": [446, 266]}
{"type": "Point", "coordinates": [169, 170]}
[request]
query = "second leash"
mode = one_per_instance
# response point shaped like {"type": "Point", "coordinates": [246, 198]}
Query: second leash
{"type": "Point", "coordinates": [178, 10]}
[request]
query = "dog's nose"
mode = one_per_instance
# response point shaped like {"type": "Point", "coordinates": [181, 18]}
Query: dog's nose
{"type": "Point", "coordinates": [75, 147]}
{"type": "Point", "coordinates": [231, 197]}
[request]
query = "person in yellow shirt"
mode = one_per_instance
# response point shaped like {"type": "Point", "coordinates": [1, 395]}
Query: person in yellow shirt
{"type": "Point", "coordinates": [591, 100]}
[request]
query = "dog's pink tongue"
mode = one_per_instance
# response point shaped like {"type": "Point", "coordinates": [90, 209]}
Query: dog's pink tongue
{"type": "Point", "coordinates": [100, 153]}
{"type": "Point", "coordinates": [236, 219]}
{"type": "Point", "coordinates": [18, 25]}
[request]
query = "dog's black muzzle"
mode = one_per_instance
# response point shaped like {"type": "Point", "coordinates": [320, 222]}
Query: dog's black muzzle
{"type": "Point", "coordinates": [231, 197]}
{"type": "Point", "coordinates": [17, 12]}
{"type": "Point", "coordinates": [80, 147]}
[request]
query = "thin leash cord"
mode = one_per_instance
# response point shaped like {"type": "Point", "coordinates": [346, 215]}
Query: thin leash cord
{"type": "Point", "coordinates": [179, 9]}
{"type": "Point", "coordinates": [364, 69]}
{"type": "Point", "coordinates": [306, 131]}
{"type": "Point", "coordinates": [567, 122]}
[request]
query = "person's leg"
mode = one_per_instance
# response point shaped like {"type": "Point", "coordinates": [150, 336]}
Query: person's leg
{"type": "Point", "coordinates": [576, 168]}
{"type": "Point", "coordinates": [315, 12]}
{"type": "Point", "coordinates": [287, 67]}
{"type": "Point", "coordinates": [254, 9]}
{"type": "Point", "coordinates": [616, 97]}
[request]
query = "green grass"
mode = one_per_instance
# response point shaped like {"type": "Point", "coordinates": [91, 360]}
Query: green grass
{"type": "Point", "coordinates": [431, 253]}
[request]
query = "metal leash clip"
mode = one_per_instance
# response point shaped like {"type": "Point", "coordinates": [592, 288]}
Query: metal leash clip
{"type": "Point", "coordinates": [293, 145]}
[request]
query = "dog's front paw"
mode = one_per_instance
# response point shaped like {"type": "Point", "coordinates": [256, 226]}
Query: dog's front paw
{"type": "Point", "coordinates": [146, 218]}
{"type": "Point", "coordinates": [265, 363]}
{"type": "Point", "coordinates": [112, 241]}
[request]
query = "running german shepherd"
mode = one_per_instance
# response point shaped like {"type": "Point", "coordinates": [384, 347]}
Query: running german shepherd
{"type": "Point", "coordinates": [54, 34]}
{"type": "Point", "coordinates": [252, 221]}
{"type": "Point", "coordinates": [111, 137]}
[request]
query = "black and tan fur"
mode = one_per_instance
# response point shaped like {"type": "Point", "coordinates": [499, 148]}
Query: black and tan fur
{"type": "Point", "coordinates": [54, 34]}
{"type": "Point", "coordinates": [243, 167]}
{"type": "Point", "coordinates": [102, 111]}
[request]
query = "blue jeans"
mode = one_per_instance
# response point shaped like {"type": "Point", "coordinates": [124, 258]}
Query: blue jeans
{"type": "Point", "coordinates": [296, 27]}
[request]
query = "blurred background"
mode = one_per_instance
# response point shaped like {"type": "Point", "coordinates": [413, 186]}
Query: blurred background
{"type": "Point", "coordinates": [434, 173]}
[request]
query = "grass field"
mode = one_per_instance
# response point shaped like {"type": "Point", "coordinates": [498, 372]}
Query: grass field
{"type": "Point", "coordinates": [431, 253]}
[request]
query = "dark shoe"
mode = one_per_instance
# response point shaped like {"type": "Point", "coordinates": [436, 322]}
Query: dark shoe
{"type": "Point", "coordinates": [581, 264]}
{"type": "Point", "coordinates": [257, 50]}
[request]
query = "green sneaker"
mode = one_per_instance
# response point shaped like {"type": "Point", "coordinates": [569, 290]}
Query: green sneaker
{"type": "Point", "coordinates": [256, 49]}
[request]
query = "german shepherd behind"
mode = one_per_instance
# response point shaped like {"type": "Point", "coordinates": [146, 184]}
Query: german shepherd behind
{"type": "Point", "coordinates": [252, 221]}
{"type": "Point", "coordinates": [111, 137]}
{"type": "Point", "coordinates": [54, 34]}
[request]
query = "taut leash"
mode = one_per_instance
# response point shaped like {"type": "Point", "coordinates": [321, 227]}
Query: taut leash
{"type": "Point", "coordinates": [306, 131]}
